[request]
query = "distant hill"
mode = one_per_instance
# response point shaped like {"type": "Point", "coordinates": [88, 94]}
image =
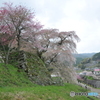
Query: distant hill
{"type": "Point", "coordinates": [84, 55]}
{"type": "Point", "coordinates": [96, 56]}
{"type": "Point", "coordinates": [79, 57]}
{"type": "Point", "coordinates": [90, 62]}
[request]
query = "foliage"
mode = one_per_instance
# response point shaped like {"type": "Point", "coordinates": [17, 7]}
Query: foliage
{"type": "Point", "coordinates": [57, 81]}
{"type": "Point", "coordinates": [97, 65]}
{"type": "Point", "coordinates": [78, 61]}
{"type": "Point", "coordinates": [89, 77]}
{"type": "Point", "coordinates": [96, 56]}
{"type": "Point", "coordinates": [86, 60]}
{"type": "Point", "coordinates": [91, 62]}
{"type": "Point", "coordinates": [5, 46]}
{"type": "Point", "coordinates": [19, 23]}
{"type": "Point", "coordinates": [54, 45]}
{"type": "Point", "coordinates": [13, 58]}
{"type": "Point", "coordinates": [15, 21]}
{"type": "Point", "coordinates": [82, 66]}
{"type": "Point", "coordinates": [83, 62]}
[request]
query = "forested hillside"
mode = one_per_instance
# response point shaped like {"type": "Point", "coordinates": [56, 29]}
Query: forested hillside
{"type": "Point", "coordinates": [80, 56]}
{"type": "Point", "coordinates": [91, 62]}
{"type": "Point", "coordinates": [84, 55]}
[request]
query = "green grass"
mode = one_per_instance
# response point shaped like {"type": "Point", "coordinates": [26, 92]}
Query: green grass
{"type": "Point", "coordinates": [12, 76]}
{"type": "Point", "coordinates": [35, 67]}
{"type": "Point", "coordinates": [42, 93]}
{"type": "Point", "coordinates": [90, 77]}
{"type": "Point", "coordinates": [15, 85]}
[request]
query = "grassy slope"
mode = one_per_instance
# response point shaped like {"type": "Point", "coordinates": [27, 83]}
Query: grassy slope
{"type": "Point", "coordinates": [36, 67]}
{"type": "Point", "coordinates": [15, 85]}
{"type": "Point", "coordinates": [11, 76]}
{"type": "Point", "coordinates": [41, 93]}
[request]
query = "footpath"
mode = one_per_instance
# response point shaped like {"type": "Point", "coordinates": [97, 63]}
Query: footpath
{"type": "Point", "coordinates": [90, 88]}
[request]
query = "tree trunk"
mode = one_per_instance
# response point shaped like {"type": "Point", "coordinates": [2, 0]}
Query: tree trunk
{"type": "Point", "coordinates": [7, 56]}
{"type": "Point", "coordinates": [39, 54]}
{"type": "Point", "coordinates": [6, 59]}
{"type": "Point", "coordinates": [18, 40]}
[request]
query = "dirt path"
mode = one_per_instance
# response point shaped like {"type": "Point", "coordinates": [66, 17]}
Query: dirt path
{"type": "Point", "coordinates": [90, 88]}
{"type": "Point", "coordinates": [95, 90]}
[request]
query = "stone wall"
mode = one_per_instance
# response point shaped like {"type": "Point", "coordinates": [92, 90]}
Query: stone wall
{"type": "Point", "coordinates": [32, 65]}
{"type": "Point", "coordinates": [94, 83]}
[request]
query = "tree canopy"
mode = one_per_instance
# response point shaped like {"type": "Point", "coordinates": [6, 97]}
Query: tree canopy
{"type": "Point", "coordinates": [96, 56]}
{"type": "Point", "coordinates": [18, 22]}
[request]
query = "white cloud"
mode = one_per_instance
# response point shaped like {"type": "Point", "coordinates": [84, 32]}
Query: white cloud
{"type": "Point", "coordinates": [82, 16]}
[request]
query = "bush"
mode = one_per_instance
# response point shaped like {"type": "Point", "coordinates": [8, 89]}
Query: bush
{"type": "Point", "coordinates": [89, 77]}
{"type": "Point", "coordinates": [57, 81]}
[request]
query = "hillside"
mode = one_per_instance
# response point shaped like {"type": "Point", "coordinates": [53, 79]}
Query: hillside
{"type": "Point", "coordinates": [12, 76]}
{"type": "Point", "coordinates": [79, 57]}
{"type": "Point", "coordinates": [43, 93]}
{"type": "Point", "coordinates": [91, 62]}
{"type": "Point", "coordinates": [96, 56]}
{"type": "Point", "coordinates": [15, 85]}
{"type": "Point", "coordinates": [84, 55]}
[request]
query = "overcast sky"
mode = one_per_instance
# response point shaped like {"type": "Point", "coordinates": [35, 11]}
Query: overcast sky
{"type": "Point", "coordinates": [81, 16]}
